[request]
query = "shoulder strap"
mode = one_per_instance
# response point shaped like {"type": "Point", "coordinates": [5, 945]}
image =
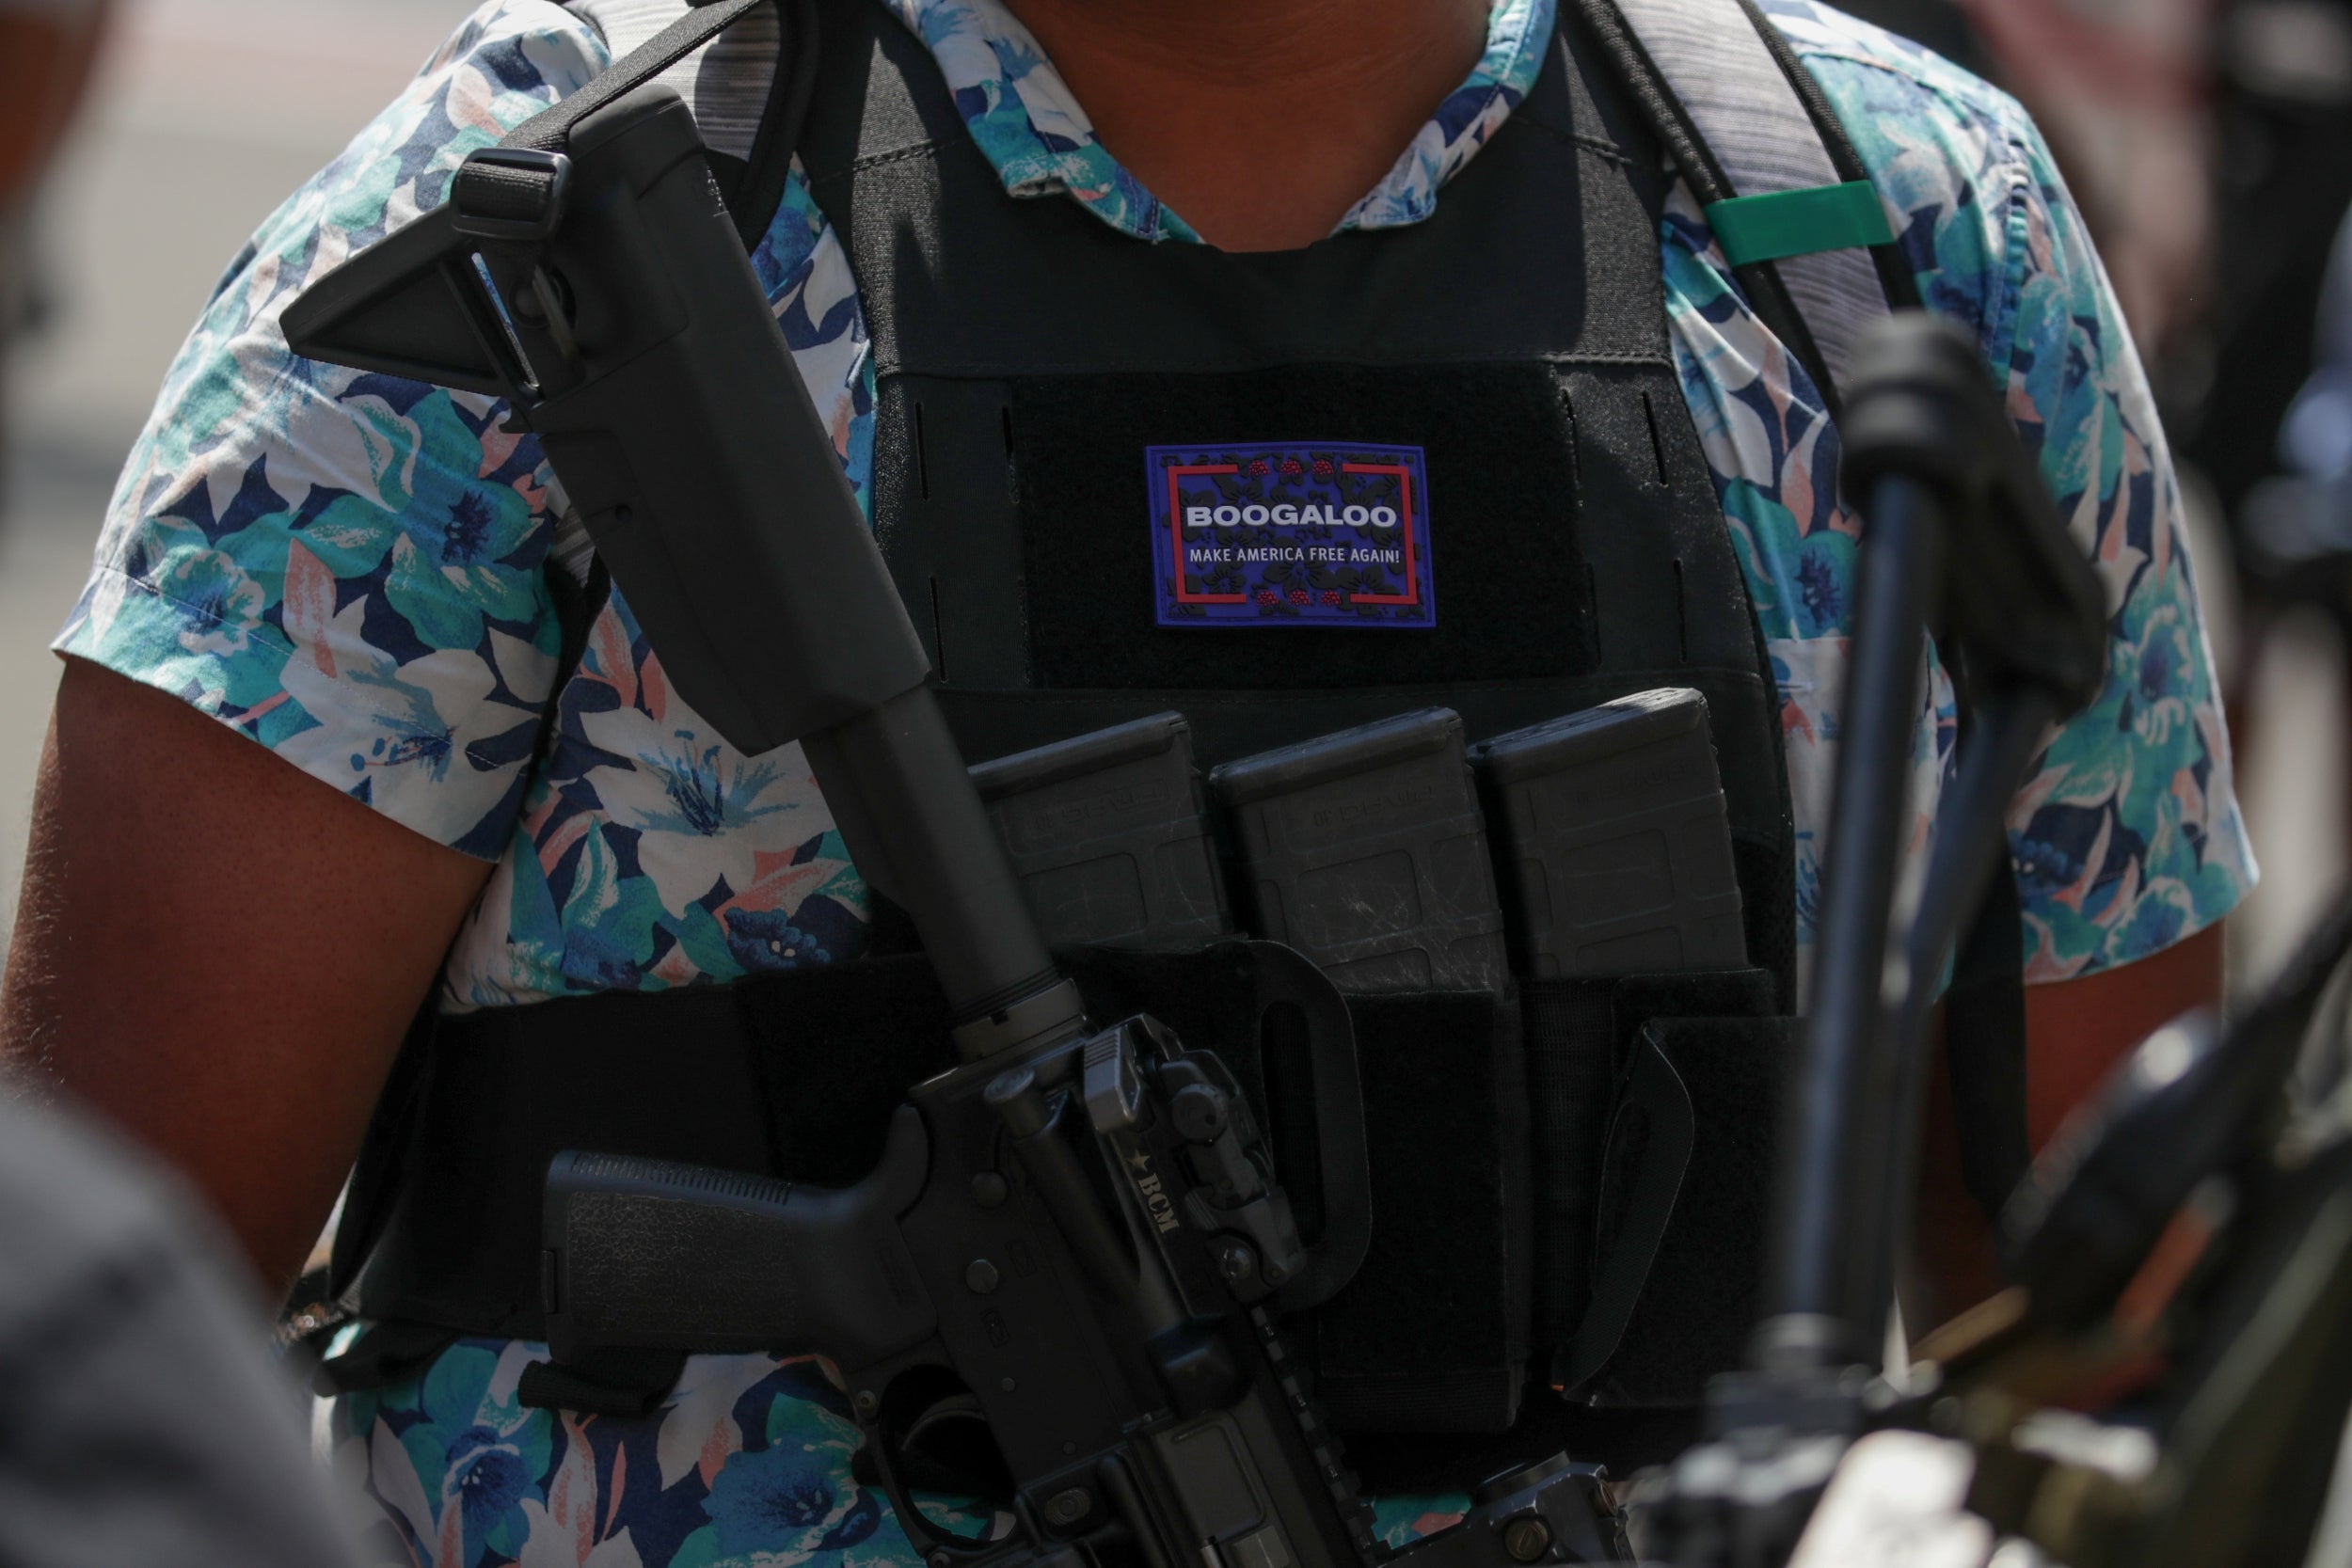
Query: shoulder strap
{"type": "Point", "coordinates": [1781, 186]}
{"type": "Point", "coordinates": [755, 189]}
{"type": "Point", "coordinates": [1794, 209]}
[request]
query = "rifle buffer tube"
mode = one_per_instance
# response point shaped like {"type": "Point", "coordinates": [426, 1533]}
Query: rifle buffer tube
{"type": "Point", "coordinates": [917, 831]}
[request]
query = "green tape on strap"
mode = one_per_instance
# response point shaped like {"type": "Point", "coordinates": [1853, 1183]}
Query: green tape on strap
{"type": "Point", "coordinates": [1799, 223]}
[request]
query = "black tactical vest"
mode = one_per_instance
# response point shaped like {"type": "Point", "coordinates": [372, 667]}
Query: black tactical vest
{"type": "Point", "coordinates": [1568, 1186]}
{"type": "Point", "coordinates": [1025, 355]}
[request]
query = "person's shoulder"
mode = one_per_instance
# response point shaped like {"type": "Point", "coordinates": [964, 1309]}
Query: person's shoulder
{"type": "Point", "coordinates": [526, 43]}
{"type": "Point", "coordinates": [1870, 73]}
{"type": "Point", "coordinates": [1957, 162]}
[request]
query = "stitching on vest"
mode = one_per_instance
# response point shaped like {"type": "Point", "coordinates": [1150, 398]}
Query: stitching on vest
{"type": "Point", "coordinates": [1599, 146]}
{"type": "Point", "coordinates": [1243, 697]}
{"type": "Point", "coordinates": [986, 371]}
{"type": "Point", "coordinates": [858, 166]}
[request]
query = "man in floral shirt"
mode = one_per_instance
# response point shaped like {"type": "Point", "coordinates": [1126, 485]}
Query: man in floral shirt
{"type": "Point", "coordinates": [354, 572]}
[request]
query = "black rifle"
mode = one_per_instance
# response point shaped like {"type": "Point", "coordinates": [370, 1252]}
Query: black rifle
{"type": "Point", "coordinates": [1076, 1230]}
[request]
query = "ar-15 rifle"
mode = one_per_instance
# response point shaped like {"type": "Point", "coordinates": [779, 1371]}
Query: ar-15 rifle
{"type": "Point", "coordinates": [1077, 1226]}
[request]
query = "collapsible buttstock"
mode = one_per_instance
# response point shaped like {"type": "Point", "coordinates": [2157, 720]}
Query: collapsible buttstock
{"type": "Point", "coordinates": [645, 1254]}
{"type": "Point", "coordinates": [412, 306]}
{"type": "Point", "coordinates": [633, 337]}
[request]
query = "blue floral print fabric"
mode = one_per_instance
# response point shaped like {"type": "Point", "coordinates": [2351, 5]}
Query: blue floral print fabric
{"type": "Point", "coordinates": [352, 571]}
{"type": "Point", "coordinates": [2127, 836]}
{"type": "Point", "coordinates": [747, 1466]}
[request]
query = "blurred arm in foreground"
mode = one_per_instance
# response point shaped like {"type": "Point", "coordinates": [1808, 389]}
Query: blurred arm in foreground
{"type": "Point", "coordinates": [140, 1423]}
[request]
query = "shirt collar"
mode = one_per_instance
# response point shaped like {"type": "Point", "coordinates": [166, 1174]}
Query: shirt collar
{"type": "Point", "coordinates": [1031, 129]}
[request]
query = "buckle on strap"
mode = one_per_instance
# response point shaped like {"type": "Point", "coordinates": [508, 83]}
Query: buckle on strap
{"type": "Point", "coordinates": [509, 193]}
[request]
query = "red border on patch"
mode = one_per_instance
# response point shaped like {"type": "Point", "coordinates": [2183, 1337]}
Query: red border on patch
{"type": "Point", "coordinates": [1405, 499]}
{"type": "Point", "coordinates": [1176, 538]}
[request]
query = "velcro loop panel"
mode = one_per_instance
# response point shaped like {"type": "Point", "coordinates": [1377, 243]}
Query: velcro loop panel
{"type": "Point", "coordinates": [1503, 488]}
{"type": "Point", "coordinates": [1700, 1293]}
{"type": "Point", "coordinates": [1777, 224]}
{"type": "Point", "coordinates": [1579, 1036]}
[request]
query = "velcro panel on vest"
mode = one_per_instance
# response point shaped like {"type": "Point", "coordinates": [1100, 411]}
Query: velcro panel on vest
{"type": "Point", "coordinates": [1581, 1033]}
{"type": "Point", "coordinates": [1510, 584]}
{"type": "Point", "coordinates": [1698, 1297]}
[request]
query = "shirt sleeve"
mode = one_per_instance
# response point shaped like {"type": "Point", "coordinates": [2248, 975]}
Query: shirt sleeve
{"type": "Point", "coordinates": [2126, 836]}
{"type": "Point", "coordinates": [347, 567]}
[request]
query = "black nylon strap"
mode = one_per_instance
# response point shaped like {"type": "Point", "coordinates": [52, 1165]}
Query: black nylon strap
{"type": "Point", "coordinates": [1767, 294]}
{"type": "Point", "coordinates": [1984, 1035]}
{"type": "Point", "coordinates": [577, 606]}
{"type": "Point", "coordinates": [754, 189]}
{"type": "Point", "coordinates": [758, 190]}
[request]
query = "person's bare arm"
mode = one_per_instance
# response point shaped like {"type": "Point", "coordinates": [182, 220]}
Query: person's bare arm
{"type": "Point", "coordinates": [2076, 1032]}
{"type": "Point", "coordinates": [219, 953]}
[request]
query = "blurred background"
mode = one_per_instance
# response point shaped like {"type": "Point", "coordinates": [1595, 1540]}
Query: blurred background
{"type": "Point", "coordinates": [195, 119]}
{"type": "Point", "coordinates": [2208, 141]}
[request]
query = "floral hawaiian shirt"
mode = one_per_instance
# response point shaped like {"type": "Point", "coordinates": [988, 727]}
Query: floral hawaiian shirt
{"type": "Point", "coordinates": [352, 571]}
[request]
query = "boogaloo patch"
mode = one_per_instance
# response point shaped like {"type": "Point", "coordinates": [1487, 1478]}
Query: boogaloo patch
{"type": "Point", "coordinates": [1290, 534]}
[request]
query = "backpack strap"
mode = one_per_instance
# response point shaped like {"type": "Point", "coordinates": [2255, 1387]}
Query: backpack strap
{"type": "Point", "coordinates": [752, 183]}
{"type": "Point", "coordinates": [1792, 207]}
{"type": "Point", "coordinates": [1781, 186]}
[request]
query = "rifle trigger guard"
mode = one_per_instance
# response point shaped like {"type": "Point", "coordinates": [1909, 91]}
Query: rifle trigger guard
{"type": "Point", "coordinates": [937, 1548]}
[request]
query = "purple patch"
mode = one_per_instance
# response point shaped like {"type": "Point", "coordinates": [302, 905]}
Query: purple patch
{"type": "Point", "coordinates": [1290, 534]}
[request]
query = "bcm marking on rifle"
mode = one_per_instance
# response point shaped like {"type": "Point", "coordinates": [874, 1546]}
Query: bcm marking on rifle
{"type": "Point", "coordinates": [1156, 1199]}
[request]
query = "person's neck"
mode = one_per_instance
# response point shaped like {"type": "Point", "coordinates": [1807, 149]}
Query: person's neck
{"type": "Point", "coordinates": [1259, 121]}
